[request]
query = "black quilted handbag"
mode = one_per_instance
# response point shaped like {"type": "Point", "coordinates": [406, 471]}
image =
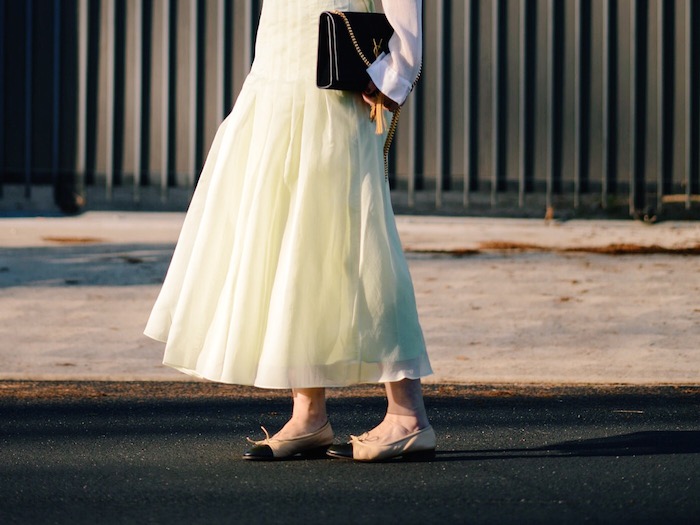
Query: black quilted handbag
{"type": "Point", "coordinates": [348, 43]}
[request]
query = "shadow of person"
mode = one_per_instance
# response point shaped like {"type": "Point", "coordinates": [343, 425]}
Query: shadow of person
{"type": "Point", "coordinates": [645, 443]}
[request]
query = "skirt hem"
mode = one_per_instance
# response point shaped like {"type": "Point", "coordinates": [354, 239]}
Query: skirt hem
{"type": "Point", "coordinates": [327, 384]}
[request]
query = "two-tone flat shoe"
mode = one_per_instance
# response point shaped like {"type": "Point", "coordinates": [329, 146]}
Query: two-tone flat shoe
{"type": "Point", "coordinates": [308, 445]}
{"type": "Point", "coordinates": [418, 446]}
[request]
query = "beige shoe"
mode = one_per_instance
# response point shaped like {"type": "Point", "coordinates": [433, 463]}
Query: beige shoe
{"type": "Point", "coordinates": [308, 445]}
{"type": "Point", "coordinates": [418, 446]}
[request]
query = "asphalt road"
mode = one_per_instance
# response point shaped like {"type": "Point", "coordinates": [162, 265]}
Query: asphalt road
{"type": "Point", "coordinates": [170, 453]}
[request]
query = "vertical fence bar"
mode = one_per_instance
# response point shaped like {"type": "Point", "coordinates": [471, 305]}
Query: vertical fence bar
{"type": "Point", "coordinates": [2, 95]}
{"type": "Point", "coordinates": [610, 60]}
{"type": "Point", "coordinates": [28, 89]}
{"type": "Point", "coordinates": [689, 151]}
{"type": "Point", "coordinates": [578, 100]}
{"type": "Point", "coordinates": [194, 84]}
{"type": "Point", "coordinates": [522, 113]}
{"type": "Point", "coordinates": [638, 29]}
{"type": "Point", "coordinates": [496, 87]}
{"type": "Point", "coordinates": [415, 136]}
{"type": "Point", "coordinates": [248, 40]}
{"type": "Point", "coordinates": [634, 28]}
{"type": "Point", "coordinates": [660, 104]}
{"type": "Point", "coordinates": [110, 94]}
{"type": "Point", "coordinates": [412, 152]}
{"type": "Point", "coordinates": [165, 101]}
{"type": "Point", "coordinates": [440, 103]}
{"type": "Point", "coordinates": [550, 102]}
{"type": "Point", "coordinates": [56, 91]}
{"type": "Point", "coordinates": [81, 146]}
{"type": "Point", "coordinates": [605, 146]}
{"type": "Point", "coordinates": [220, 59]}
{"type": "Point", "coordinates": [469, 82]}
{"type": "Point", "coordinates": [138, 95]}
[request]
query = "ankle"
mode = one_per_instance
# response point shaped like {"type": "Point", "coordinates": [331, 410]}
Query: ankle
{"type": "Point", "coordinates": [405, 398]}
{"type": "Point", "coordinates": [298, 426]}
{"type": "Point", "coordinates": [309, 420]}
{"type": "Point", "coordinates": [409, 422]}
{"type": "Point", "coordinates": [310, 407]}
{"type": "Point", "coordinates": [309, 413]}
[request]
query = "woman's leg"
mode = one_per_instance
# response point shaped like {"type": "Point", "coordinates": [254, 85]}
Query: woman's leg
{"type": "Point", "coordinates": [405, 412]}
{"type": "Point", "coordinates": [308, 414]}
{"type": "Point", "coordinates": [390, 439]}
{"type": "Point", "coordinates": [305, 433]}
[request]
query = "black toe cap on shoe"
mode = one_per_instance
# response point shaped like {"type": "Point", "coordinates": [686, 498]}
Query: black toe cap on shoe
{"type": "Point", "coordinates": [261, 452]}
{"type": "Point", "coordinates": [340, 451]}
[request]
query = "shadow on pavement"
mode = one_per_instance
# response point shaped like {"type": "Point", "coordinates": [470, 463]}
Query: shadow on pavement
{"type": "Point", "coordinates": [171, 453]}
{"type": "Point", "coordinates": [634, 444]}
{"type": "Point", "coordinates": [622, 421]}
{"type": "Point", "coordinates": [85, 265]}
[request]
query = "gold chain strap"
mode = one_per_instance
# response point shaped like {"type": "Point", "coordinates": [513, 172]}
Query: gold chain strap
{"type": "Point", "coordinates": [353, 38]}
{"type": "Point", "coordinates": [395, 118]}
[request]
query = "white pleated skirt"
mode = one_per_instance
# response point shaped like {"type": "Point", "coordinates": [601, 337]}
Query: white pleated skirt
{"type": "Point", "coordinates": [289, 271]}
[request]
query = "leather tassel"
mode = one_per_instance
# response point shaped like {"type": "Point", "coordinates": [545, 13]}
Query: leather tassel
{"type": "Point", "coordinates": [376, 115]}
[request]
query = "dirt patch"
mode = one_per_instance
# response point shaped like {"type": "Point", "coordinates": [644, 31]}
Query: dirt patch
{"type": "Point", "coordinates": [610, 249]}
{"type": "Point", "coordinates": [636, 249]}
{"type": "Point", "coordinates": [456, 252]}
{"type": "Point", "coordinates": [507, 246]}
{"type": "Point", "coordinates": [76, 391]}
{"type": "Point", "coordinates": [73, 240]}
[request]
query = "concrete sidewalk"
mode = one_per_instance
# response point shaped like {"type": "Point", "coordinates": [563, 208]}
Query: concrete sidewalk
{"type": "Point", "coordinates": [501, 300]}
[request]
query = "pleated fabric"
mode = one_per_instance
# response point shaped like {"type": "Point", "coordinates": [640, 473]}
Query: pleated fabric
{"type": "Point", "coordinates": [289, 271]}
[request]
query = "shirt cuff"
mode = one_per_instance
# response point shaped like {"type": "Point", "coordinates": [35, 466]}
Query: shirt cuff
{"type": "Point", "coordinates": [388, 80]}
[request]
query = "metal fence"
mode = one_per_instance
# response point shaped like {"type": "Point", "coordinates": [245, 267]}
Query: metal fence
{"type": "Point", "coordinates": [566, 104]}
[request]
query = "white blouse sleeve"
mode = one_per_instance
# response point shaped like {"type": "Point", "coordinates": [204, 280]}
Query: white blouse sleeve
{"type": "Point", "coordinates": [395, 72]}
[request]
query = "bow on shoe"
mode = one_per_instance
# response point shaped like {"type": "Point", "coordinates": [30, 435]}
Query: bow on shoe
{"type": "Point", "coordinates": [419, 445]}
{"type": "Point", "coordinates": [362, 438]}
{"type": "Point", "coordinates": [309, 445]}
{"type": "Point", "coordinates": [265, 441]}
